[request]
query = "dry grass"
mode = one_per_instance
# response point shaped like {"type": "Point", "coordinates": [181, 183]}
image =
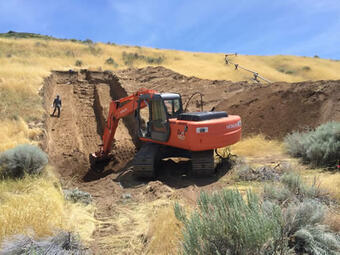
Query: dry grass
{"type": "Point", "coordinates": [332, 219]}
{"type": "Point", "coordinates": [15, 132]}
{"type": "Point", "coordinates": [329, 181]}
{"type": "Point", "coordinates": [132, 232]}
{"type": "Point", "coordinates": [164, 232]}
{"type": "Point", "coordinates": [257, 146]}
{"type": "Point", "coordinates": [37, 206]}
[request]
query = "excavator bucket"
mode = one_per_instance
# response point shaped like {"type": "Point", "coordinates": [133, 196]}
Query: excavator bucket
{"type": "Point", "coordinates": [93, 158]}
{"type": "Point", "coordinates": [97, 162]}
{"type": "Point", "coordinates": [99, 157]}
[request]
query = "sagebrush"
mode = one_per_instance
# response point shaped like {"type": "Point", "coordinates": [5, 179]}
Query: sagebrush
{"type": "Point", "coordinates": [288, 220]}
{"type": "Point", "coordinates": [129, 58]}
{"type": "Point", "coordinates": [61, 243]}
{"type": "Point", "coordinates": [21, 160]}
{"type": "Point", "coordinates": [77, 196]}
{"type": "Point", "coordinates": [225, 223]}
{"type": "Point", "coordinates": [321, 146]}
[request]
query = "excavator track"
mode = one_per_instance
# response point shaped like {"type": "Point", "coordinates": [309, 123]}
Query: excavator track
{"type": "Point", "coordinates": [202, 163]}
{"type": "Point", "coordinates": [146, 160]}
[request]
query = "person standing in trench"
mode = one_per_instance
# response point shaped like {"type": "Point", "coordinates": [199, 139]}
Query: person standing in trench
{"type": "Point", "coordinates": [57, 106]}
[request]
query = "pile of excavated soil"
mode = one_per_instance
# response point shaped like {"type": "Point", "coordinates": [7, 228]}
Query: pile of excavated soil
{"type": "Point", "coordinates": [280, 108]}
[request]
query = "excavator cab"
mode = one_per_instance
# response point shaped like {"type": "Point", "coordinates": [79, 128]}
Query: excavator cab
{"type": "Point", "coordinates": [153, 120]}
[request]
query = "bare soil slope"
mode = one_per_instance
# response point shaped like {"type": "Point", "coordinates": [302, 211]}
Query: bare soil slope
{"type": "Point", "coordinates": [280, 108]}
{"type": "Point", "coordinates": [126, 204]}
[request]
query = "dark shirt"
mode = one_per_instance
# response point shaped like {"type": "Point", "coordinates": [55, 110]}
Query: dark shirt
{"type": "Point", "coordinates": [57, 102]}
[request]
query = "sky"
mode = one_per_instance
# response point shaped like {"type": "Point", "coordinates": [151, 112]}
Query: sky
{"type": "Point", "coordinates": [254, 27]}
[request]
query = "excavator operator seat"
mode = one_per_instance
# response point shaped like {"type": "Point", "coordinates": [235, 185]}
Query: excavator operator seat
{"type": "Point", "coordinates": [154, 122]}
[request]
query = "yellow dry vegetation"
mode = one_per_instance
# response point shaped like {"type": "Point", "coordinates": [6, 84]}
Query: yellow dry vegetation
{"type": "Point", "coordinates": [142, 228]}
{"type": "Point", "coordinates": [327, 180]}
{"type": "Point", "coordinates": [165, 232]}
{"type": "Point", "coordinates": [15, 132]}
{"type": "Point", "coordinates": [36, 206]}
{"type": "Point", "coordinates": [24, 62]}
{"type": "Point", "coordinates": [257, 146]}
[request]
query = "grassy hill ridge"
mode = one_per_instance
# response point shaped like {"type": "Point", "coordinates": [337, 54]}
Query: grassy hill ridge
{"type": "Point", "coordinates": [85, 53]}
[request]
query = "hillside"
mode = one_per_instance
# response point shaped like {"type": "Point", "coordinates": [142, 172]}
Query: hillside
{"type": "Point", "coordinates": [14, 47]}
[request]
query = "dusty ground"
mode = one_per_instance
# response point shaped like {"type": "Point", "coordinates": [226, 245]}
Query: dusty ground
{"type": "Point", "coordinates": [125, 204]}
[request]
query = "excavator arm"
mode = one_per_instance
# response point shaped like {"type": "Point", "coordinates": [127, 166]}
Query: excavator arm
{"type": "Point", "coordinates": [118, 109]}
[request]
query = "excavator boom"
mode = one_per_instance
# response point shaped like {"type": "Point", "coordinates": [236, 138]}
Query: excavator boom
{"type": "Point", "coordinates": [118, 109]}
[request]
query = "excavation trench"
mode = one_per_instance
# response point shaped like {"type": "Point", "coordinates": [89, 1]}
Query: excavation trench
{"type": "Point", "coordinates": [86, 97]}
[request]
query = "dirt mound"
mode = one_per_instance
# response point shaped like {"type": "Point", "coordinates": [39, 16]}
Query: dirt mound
{"type": "Point", "coordinates": [157, 189]}
{"type": "Point", "coordinates": [280, 108]}
{"type": "Point", "coordinates": [165, 80]}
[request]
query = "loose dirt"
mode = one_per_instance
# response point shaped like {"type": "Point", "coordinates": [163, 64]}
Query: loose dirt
{"type": "Point", "coordinates": [125, 204]}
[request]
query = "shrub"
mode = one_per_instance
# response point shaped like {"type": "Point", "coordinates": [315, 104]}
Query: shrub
{"type": "Point", "coordinates": [290, 72]}
{"type": "Point", "coordinates": [78, 196]}
{"type": "Point", "coordinates": [307, 235]}
{"type": "Point", "coordinates": [292, 189]}
{"type": "Point", "coordinates": [88, 41]}
{"type": "Point", "coordinates": [316, 240]}
{"type": "Point", "coordinates": [321, 146]}
{"type": "Point", "coordinates": [94, 50]}
{"type": "Point", "coordinates": [79, 63]}
{"type": "Point", "coordinates": [287, 221]}
{"type": "Point", "coordinates": [306, 68]}
{"type": "Point", "coordinates": [263, 173]}
{"type": "Point", "coordinates": [278, 193]}
{"type": "Point", "coordinates": [111, 61]}
{"type": "Point", "coordinates": [21, 160]}
{"type": "Point", "coordinates": [154, 60]}
{"type": "Point", "coordinates": [129, 58]}
{"type": "Point", "coordinates": [283, 69]}
{"type": "Point", "coordinates": [62, 243]}
{"type": "Point", "coordinates": [227, 224]}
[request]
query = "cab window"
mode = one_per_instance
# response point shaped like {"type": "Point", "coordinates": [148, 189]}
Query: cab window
{"type": "Point", "coordinates": [173, 107]}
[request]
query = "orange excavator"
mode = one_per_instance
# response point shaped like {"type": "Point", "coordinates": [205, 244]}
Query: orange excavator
{"type": "Point", "coordinates": [168, 131]}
